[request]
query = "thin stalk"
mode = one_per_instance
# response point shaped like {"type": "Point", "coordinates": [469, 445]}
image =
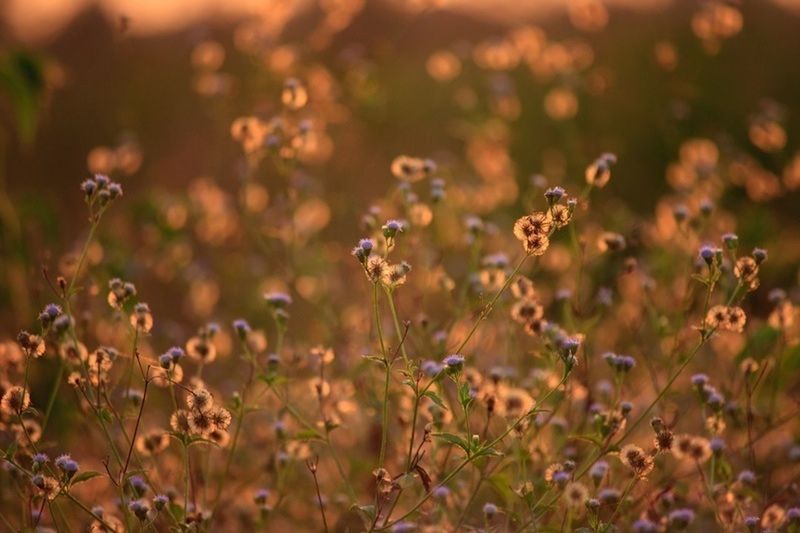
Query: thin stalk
{"type": "Point", "coordinates": [488, 308]}
{"type": "Point", "coordinates": [387, 364]}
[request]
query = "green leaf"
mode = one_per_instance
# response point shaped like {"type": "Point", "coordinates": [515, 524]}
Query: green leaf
{"type": "Point", "coordinates": [11, 450]}
{"type": "Point", "coordinates": [105, 414]}
{"type": "Point", "coordinates": [366, 512]}
{"type": "Point", "coordinates": [375, 359]}
{"type": "Point", "coordinates": [464, 395]}
{"type": "Point", "coordinates": [273, 378]}
{"type": "Point", "coordinates": [307, 434]}
{"type": "Point", "coordinates": [85, 476]}
{"type": "Point", "coordinates": [406, 480]}
{"type": "Point", "coordinates": [22, 84]}
{"type": "Point", "coordinates": [488, 452]}
{"type": "Point", "coordinates": [759, 343]}
{"type": "Point", "coordinates": [177, 511]}
{"type": "Point", "coordinates": [454, 439]}
{"type": "Point", "coordinates": [435, 397]}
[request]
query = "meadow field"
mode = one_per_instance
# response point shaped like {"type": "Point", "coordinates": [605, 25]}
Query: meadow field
{"type": "Point", "coordinates": [400, 265]}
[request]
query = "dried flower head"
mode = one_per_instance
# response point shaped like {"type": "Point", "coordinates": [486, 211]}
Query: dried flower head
{"type": "Point", "coordinates": [634, 458]}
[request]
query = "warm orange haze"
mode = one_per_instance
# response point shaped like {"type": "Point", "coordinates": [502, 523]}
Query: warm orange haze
{"type": "Point", "coordinates": [420, 265]}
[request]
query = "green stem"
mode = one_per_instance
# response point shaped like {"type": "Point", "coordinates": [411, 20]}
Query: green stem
{"type": "Point", "coordinates": [53, 393]}
{"type": "Point", "coordinates": [488, 308]}
{"type": "Point", "coordinates": [387, 364]}
{"type": "Point", "coordinates": [467, 460]}
{"type": "Point", "coordinates": [397, 328]}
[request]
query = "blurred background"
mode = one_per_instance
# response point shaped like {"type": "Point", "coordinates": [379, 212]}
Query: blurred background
{"type": "Point", "coordinates": [497, 92]}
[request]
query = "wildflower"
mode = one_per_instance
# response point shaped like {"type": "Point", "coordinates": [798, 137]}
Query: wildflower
{"type": "Point", "coordinates": [440, 492]}
{"type": "Point", "coordinates": [430, 368]}
{"type": "Point", "coordinates": [609, 496]}
{"type": "Point", "coordinates": [620, 363]}
{"type": "Point", "coordinates": [731, 241]}
{"type": "Point", "coordinates": [50, 313]}
{"type": "Point", "coordinates": [682, 446]}
{"type": "Point", "coordinates": [199, 400]}
{"type": "Point", "coordinates": [634, 458]}
{"type": "Point", "coordinates": [717, 446]}
{"type": "Point", "coordinates": [62, 323]}
{"type": "Point", "coordinates": [138, 486]}
{"type": "Point", "coordinates": [773, 517]}
{"type": "Point", "coordinates": [522, 288]}
{"type": "Point", "coordinates": [576, 494]}
{"type": "Point", "coordinates": [261, 497]}
{"type": "Point", "coordinates": [611, 242]}
{"type": "Point", "coordinates": [561, 215]}
{"type": "Point", "coordinates": [554, 195]}
{"type": "Point", "coordinates": [278, 300]}
{"type": "Point", "coordinates": [15, 401]}
{"type": "Point", "coordinates": [736, 319]}
{"type": "Point", "coordinates": [32, 344]}
{"type": "Point", "coordinates": [438, 193]}
{"type": "Point", "coordinates": [179, 421]}
{"type": "Point", "coordinates": [746, 269]}
{"type": "Point", "coordinates": [489, 510]}
{"type": "Point", "coordinates": [201, 349]}
{"type": "Point", "coordinates": [375, 267]}
{"type": "Point", "coordinates": [200, 422]}
{"type": "Point", "coordinates": [294, 95]}
{"type": "Point", "coordinates": [363, 250]}
{"type": "Point", "coordinates": [530, 225]}
{"type": "Point", "coordinates": [139, 509]}
{"type": "Point", "coordinates": [383, 480]}
{"type": "Point", "coordinates": [99, 364]}
{"type": "Point", "coordinates": [454, 363]}
{"type": "Point", "coordinates": [412, 169]}
{"type": "Point", "coordinates": [751, 522]}
{"type": "Point", "coordinates": [664, 440]}
{"type": "Point", "coordinates": [699, 450]}
{"type": "Point", "coordinates": [552, 470]}
{"type": "Point", "coordinates": [699, 380]}
{"type": "Point", "coordinates": [242, 328]}
{"type": "Point", "coordinates": [726, 318]}
{"type": "Point", "coordinates": [514, 402]}
{"type": "Point", "coordinates": [38, 461]}
{"type": "Point", "coordinates": [220, 418]}
{"type": "Point", "coordinates": [48, 485]}
{"type": "Point", "coordinates": [152, 443]}
{"type": "Point", "coordinates": [708, 254]}
{"type": "Point", "coordinates": [474, 225]}
{"type": "Point", "coordinates": [392, 276]}
{"type": "Point", "coordinates": [746, 477]}
{"type": "Point", "coordinates": [598, 173]}
{"type": "Point", "coordinates": [598, 471]}
{"type": "Point", "coordinates": [220, 437]}
{"type": "Point", "coordinates": [119, 292]}
{"type": "Point", "coordinates": [160, 501]}
{"type": "Point", "coordinates": [680, 518]}
{"type": "Point", "coordinates": [391, 228]}
{"type": "Point", "coordinates": [526, 310]}
{"type": "Point", "coordinates": [142, 318]}
{"type": "Point", "coordinates": [72, 352]}
{"type": "Point", "coordinates": [67, 465]}
{"type": "Point", "coordinates": [644, 525]}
